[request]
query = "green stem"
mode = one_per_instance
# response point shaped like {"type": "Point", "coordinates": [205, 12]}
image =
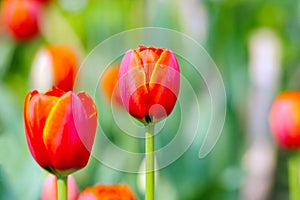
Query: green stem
{"type": "Point", "coordinates": [62, 187]}
{"type": "Point", "coordinates": [150, 162]}
{"type": "Point", "coordinates": [293, 166]}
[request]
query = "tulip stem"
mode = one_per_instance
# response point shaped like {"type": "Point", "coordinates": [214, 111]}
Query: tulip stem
{"type": "Point", "coordinates": [294, 184]}
{"type": "Point", "coordinates": [150, 162]}
{"type": "Point", "coordinates": [62, 187]}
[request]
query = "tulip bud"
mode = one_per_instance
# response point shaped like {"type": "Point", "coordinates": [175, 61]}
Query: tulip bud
{"type": "Point", "coordinates": [54, 66]}
{"type": "Point", "coordinates": [149, 81]}
{"type": "Point", "coordinates": [109, 83]}
{"type": "Point", "coordinates": [107, 192]}
{"type": "Point", "coordinates": [60, 129]}
{"type": "Point", "coordinates": [21, 18]}
{"type": "Point", "coordinates": [285, 120]}
{"type": "Point", "coordinates": [49, 191]}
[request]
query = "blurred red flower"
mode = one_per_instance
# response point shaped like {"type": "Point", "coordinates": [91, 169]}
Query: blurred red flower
{"type": "Point", "coordinates": [109, 84]}
{"type": "Point", "coordinates": [21, 18]}
{"type": "Point", "coordinates": [54, 66]}
{"type": "Point", "coordinates": [49, 191]}
{"type": "Point", "coordinates": [107, 192]}
{"type": "Point", "coordinates": [285, 119]}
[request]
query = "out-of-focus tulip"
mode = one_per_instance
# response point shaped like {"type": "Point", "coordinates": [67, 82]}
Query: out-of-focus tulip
{"type": "Point", "coordinates": [149, 81]}
{"type": "Point", "coordinates": [285, 119]}
{"type": "Point", "coordinates": [21, 18]}
{"type": "Point", "coordinates": [49, 191]}
{"type": "Point", "coordinates": [109, 83]}
{"type": "Point", "coordinates": [54, 66]}
{"type": "Point", "coordinates": [2, 26]}
{"type": "Point", "coordinates": [107, 192]}
{"type": "Point", "coordinates": [60, 129]}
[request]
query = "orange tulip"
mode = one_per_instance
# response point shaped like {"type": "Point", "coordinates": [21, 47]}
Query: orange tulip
{"type": "Point", "coordinates": [60, 129]}
{"type": "Point", "coordinates": [54, 66]}
{"type": "Point", "coordinates": [107, 192]}
{"type": "Point", "coordinates": [49, 191]}
{"type": "Point", "coordinates": [21, 18]}
{"type": "Point", "coordinates": [149, 81]}
{"type": "Point", "coordinates": [285, 120]}
{"type": "Point", "coordinates": [109, 83]}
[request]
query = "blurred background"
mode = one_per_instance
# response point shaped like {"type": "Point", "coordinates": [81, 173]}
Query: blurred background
{"type": "Point", "coordinates": [255, 45]}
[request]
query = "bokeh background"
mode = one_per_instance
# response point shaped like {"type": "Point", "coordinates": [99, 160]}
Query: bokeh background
{"type": "Point", "coordinates": [255, 45]}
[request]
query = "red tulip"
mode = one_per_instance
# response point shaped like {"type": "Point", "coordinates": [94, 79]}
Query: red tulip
{"type": "Point", "coordinates": [107, 192]}
{"type": "Point", "coordinates": [109, 83]}
{"type": "Point", "coordinates": [149, 81]}
{"type": "Point", "coordinates": [54, 66]}
{"type": "Point", "coordinates": [285, 120]}
{"type": "Point", "coordinates": [49, 191]}
{"type": "Point", "coordinates": [60, 129]}
{"type": "Point", "coordinates": [21, 18]}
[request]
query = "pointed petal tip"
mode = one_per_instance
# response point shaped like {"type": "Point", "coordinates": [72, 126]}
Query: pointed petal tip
{"type": "Point", "coordinates": [55, 91]}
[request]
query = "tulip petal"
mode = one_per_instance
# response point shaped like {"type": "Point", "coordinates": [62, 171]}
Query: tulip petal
{"type": "Point", "coordinates": [64, 66]}
{"type": "Point", "coordinates": [26, 111]}
{"type": "Point", "coordinates": [158, 51]}
{"type": "Point", "coordinates": [131, 77]}
{"type": "Point", "coordinates": [107, 192]}
{"type": "Point", "coordinates": [92, 116]}
{"type": "Point", "coordinates": [149, 58]}
{"type": "Point", "coordinates": [139, 103]}
{"type": "Point", "coordinates": [36, 110]}
{"type": "Point", "coordinates": [163, 101]}
{"type": "Point", "coordinates": [164, 84]}
{"type": "Point", "coordinates": [56, 92]}
{"type": "Point", "coordinates": [61, 134]}
{"type": "Point", "coordinates": [166, 72]}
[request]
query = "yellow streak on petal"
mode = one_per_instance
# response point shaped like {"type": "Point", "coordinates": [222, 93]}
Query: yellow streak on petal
{"type": "Point", "coordinates": [158, 76]}
{"type": "Point", "coordinates": [48, 128]}
{"type": "Point", "coordinates": [92, 115]}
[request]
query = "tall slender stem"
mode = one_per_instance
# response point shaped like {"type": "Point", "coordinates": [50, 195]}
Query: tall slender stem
{"type": "Point", "coordinates": [294, 186]}
{"type": "Point", "coordinates": [62, 187]}
{"type": "Point", "coordinates": [150, 162]}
